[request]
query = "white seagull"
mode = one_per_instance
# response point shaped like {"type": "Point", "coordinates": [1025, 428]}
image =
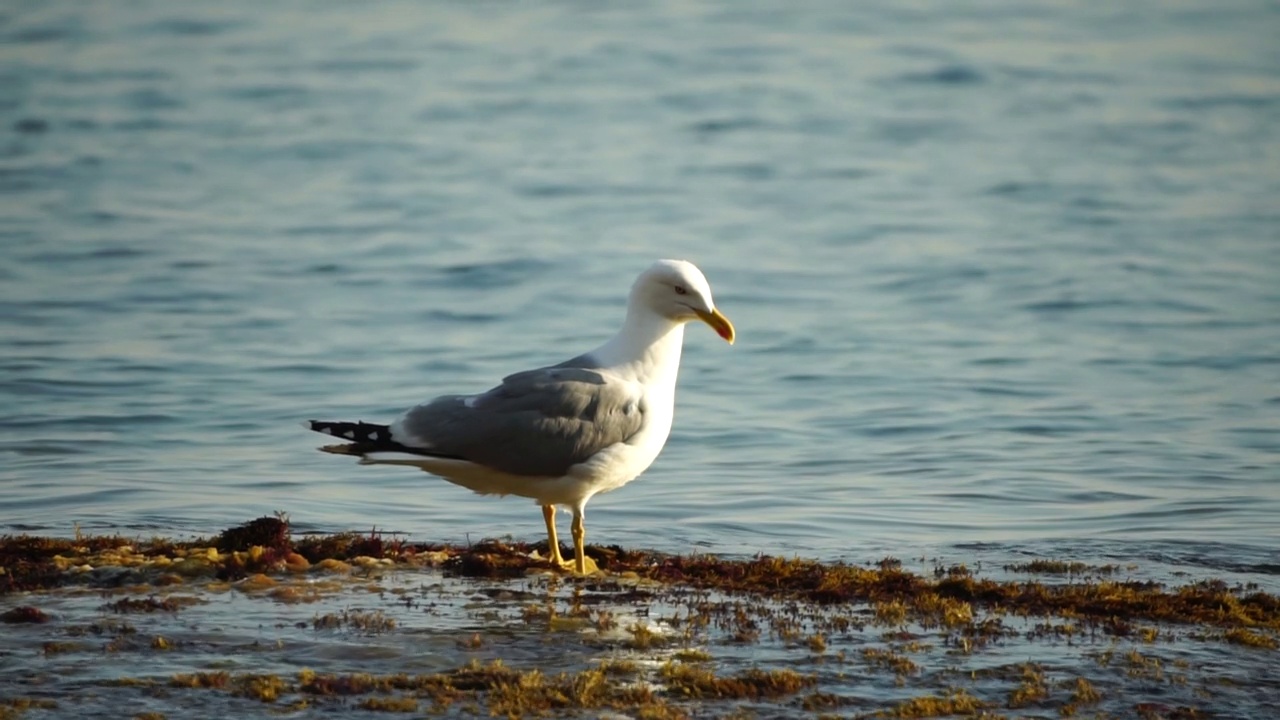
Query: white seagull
{"type": "Point", "coordinates": [563, 433]}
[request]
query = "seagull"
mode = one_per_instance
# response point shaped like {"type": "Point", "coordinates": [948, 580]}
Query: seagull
{"type": "Point", "coordinates": [563, 433]}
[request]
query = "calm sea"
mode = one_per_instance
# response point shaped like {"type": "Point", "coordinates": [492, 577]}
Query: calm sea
{"type": "Point", "coordinates": [1006, 275]}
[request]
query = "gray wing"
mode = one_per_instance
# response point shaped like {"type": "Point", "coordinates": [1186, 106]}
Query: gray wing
{"type": "Point", "coordinates": [537, 423]}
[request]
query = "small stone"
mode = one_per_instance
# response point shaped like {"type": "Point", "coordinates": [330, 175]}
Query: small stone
{"type": "Point", "coordinates": [25, 614]}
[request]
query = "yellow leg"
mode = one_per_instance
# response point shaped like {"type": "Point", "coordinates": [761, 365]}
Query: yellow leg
{"type": "Point", "coordinates": [579, 543]}
{"type": "Point", "coordinates": [553, 543]}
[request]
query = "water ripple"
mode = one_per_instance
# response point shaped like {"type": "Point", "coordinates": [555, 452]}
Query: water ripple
{"type": "Point", "coordinates": [988, 291]}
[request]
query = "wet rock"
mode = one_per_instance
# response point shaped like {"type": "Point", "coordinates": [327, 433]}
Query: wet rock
{"type": "Point", "coordinates": [25, 614]}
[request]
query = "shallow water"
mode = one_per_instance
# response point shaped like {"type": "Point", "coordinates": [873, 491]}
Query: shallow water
{"type": "Point", "coordinates": [168, 637]}
{"type": "Point", "coordinates": [1005, 277]}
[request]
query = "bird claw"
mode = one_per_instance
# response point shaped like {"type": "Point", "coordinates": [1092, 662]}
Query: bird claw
{"type": "Point", "coordinates": [557, 560]}
{"type": "Point", "coordinates": [571, 566]}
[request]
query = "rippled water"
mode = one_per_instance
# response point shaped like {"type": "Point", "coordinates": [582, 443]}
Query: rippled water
{"type": "Point", "coordinates": [1005, 276]}
{"type": "Point", "coordinates": [415, 622]}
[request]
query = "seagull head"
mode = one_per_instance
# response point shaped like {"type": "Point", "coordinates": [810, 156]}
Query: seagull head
{"type": "Point", "coordinates": [677, 290]}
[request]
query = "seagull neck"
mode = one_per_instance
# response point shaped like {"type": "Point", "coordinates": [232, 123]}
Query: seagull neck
{"type": "Point", "coordinates": [648, 345]}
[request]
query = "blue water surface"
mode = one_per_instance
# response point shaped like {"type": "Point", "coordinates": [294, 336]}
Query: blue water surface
{"type": "Point", "coordinates": [1006, 275]}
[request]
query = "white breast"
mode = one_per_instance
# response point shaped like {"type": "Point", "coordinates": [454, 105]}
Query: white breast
{"type": "Point", "coordinates": [619, 464]}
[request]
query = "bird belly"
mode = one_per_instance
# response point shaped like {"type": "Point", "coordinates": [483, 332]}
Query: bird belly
{"type": "Point", "coordinates": [567, 490]}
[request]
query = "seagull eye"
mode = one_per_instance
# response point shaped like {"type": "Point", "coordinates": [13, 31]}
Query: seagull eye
{"type": "Point", "coordinates": [681, 291]}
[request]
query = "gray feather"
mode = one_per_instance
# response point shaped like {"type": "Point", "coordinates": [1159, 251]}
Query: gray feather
{"type": "Point", "coordinates": [536, 423]}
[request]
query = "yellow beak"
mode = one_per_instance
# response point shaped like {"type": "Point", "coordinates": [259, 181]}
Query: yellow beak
{"type": "Point", "coordinates": [719, 323]}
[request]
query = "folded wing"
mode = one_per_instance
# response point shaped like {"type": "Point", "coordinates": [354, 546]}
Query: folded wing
{"type": "Point", "coordinates": [536, 423]}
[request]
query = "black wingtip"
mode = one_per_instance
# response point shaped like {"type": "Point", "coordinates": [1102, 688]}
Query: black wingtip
{"type": "Point", "coordinates": [361, 437]}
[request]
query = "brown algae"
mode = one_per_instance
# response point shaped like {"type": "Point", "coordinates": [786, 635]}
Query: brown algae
{"type": "Point", "coordinates": [654, 636]}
